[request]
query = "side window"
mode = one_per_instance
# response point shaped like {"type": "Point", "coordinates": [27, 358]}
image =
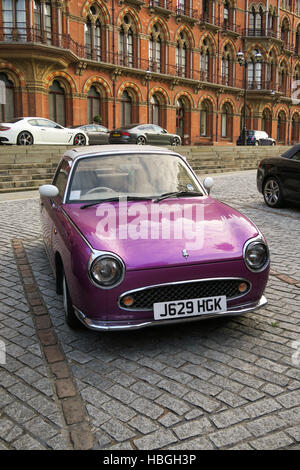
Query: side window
{"type": "Point", "coordinates": [61, 177]}
{"type": "Point", "coordinates": [33, 122]}
{"type": "Point", "coordinates": [296, 156]}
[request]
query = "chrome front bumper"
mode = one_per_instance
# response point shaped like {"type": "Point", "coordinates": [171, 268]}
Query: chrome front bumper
{"type": "Point", "coordinates": [137, 324]}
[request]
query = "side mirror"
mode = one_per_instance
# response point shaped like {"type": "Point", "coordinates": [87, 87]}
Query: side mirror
{"type": "Point", "coordinates": [208, 183]}
{"type": "Point", "coordinates": [164, 131]}
{"type": "Point", "coordinates": [48, 190]}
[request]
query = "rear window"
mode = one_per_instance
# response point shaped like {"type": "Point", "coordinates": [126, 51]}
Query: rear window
{"type": "Point", "coordinates": [15, 120]}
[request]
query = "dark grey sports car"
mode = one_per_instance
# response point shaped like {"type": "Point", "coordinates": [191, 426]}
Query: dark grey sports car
{"type": "Point", "coordinates": [278, 178]}
{"type": "Point", "coordinates": [143, 134]}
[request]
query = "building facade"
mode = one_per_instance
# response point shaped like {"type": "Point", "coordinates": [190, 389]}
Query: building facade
{"type": "Point", "coordinates": [169, 62]}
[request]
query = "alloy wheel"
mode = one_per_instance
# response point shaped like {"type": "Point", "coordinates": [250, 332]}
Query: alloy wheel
{"type": "Point", "coordinates": [25, 138]}
{"type": "Point", "coordinates": [79, 139]}
{"type": "Point", "coordinates": [272, 193]}
{"type": "Point", "coordinates": [141, 140]}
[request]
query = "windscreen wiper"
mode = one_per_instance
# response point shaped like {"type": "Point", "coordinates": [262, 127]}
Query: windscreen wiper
{"type": "Point", "coordinates": [113, 199]}
{"type": "Point", "coordinates": [178, 194]}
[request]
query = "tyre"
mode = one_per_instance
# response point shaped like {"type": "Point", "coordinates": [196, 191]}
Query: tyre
{"type": "Point", "coordinates": [256, 143]}
{"type": "Point", "coordinates": [141, 140]}
{"type": "Point", "coordinates": [79, 139]}
{"type": "Point", "coordinates": [272, 193]}
{"type": "Point", "coordinates": [25, 138]}
{"type": "Point", "coordinates": [70, 316]}
{"type": "Point", "coordinates": [175, 141]}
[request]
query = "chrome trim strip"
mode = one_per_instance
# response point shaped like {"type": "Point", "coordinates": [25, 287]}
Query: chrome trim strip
{"type": "Point", "coordinates": [127, 325]}
{"type": "Point", "coordinates": [181, 282]}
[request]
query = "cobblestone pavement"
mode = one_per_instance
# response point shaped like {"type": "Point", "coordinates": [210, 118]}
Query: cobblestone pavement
{"type": "Point", "coordinates": [218, 384]}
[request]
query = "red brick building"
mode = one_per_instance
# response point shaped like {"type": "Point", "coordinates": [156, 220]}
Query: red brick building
{"type": "Point", "coordinates": [171, 62]}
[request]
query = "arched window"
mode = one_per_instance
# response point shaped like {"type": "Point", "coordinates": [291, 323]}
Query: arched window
{"type": "Point", "coordinates": [126, 109]}
{"type": "Point", "coordinates": [297, 40]}
{"type": "Point", "coordinates": [248, 119]}
{"type": "Point", "coordinates": [254, 73]}
{"type": "Point", "coordinates": [155, 112]}
{"type": "Point", "coordinates": [127, 48]}
{"type": "Point", "coordinates": [227, 65]}
{"type": "Point", "coordinates": [155, 50]}
{"type": "Point", "coordinates": [14, 20]}
{"type": "Point", "coordinates": [281, 127]}
{"type": "Point", "coordinates": [42, 21]}
{"type": "Point", "coordinates": [57, 104]}
{"type": "Point", "coordinates": [181, 59]}
{"type": "Point", "coordinates": [266, 123]}
{"type": "Point", "coordinates": [283, 78]}
{"type": "Point", "coordinates": [295, 128]}
{"type": "Point", "coordinates": [93, 34]}
{"type": "Point", "coordinates": [180, 115]}
{"type": "Point", "coordinates": [88, 38]}
{"type": "Point", "coordinates": [7, 110]}
{"type": "Point", "coordinates": [206, 61]}
{"type": "Point", "coordinates": [93, 104]}
{"type": "Point", "coordinates": [205, 119]}
{"type": "Point", "coordinates": [285, 32]}
{"type": "Point", "coordinates": [256, 22]}
{"type": "Point", "coordinates": [226, 121]}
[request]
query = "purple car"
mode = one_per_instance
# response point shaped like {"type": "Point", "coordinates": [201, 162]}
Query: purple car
{"type": "Point", "coordinates": [135, 240]}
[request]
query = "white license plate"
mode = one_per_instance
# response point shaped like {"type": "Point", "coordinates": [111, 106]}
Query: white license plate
{"type": "Point", "coordinates": [189, 308]}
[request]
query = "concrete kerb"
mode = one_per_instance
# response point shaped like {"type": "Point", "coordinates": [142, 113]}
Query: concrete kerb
{"type": "Point", "coordinates": [67, 395]}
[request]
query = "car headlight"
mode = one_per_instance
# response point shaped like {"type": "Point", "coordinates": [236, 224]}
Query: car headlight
{"type": "Point", "coordinates": [106, 271]}
{"type": "Point", "coordinates": [256, 255]}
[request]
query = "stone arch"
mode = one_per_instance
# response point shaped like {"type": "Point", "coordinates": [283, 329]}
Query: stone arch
{"type": "Point", "coordinates": [103, 86]}
{"type": "Point", "coordinates": [65, 79]}
{"type": "Point", "coordinates": [89, 3]}
{"type": "Point", "coordinates": [186, 31]}
{"type": "Point", "coordinates": [162, 24]}
{"type": "Point", "coordinates": [13, 74]}
{"type": "Point", "coordinates": [186, 97]}
{"type": "Point", "coordinates": [160, 91]}
{"type": "Point", "coordinates": [132, 89]}
{"type": "Point", "coordinates": [136, 22]}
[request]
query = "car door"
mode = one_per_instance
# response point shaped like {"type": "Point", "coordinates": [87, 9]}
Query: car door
{"type": "Point", "coordinates": [102, 134]}
{"type": "Point", "coordinates": [51, 208]}
{"type": "Point", "coordinates": [290, 176]}
{"type": "Point", "coordinates": [90, 130]}
{"type": "Point", "coordinates": [49, 133]}
{"type": "Point", "coordinates": [161, 136]}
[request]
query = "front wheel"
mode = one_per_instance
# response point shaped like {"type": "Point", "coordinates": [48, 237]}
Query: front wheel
{"type": "Point", "coordinates": [70, 316]}
{"type": "Point", "coordinates": [141, 140]}
{"type": "Point", "coordinates": [175, 141]}
{"type": "Point", "coordinates": [256, 143]}
{"type": "Point", "coordinates": [79, 139]}
{"type": "Point", "coordinates": [25, 138]}
{"type": "Point", "coordinates": [273, 193]}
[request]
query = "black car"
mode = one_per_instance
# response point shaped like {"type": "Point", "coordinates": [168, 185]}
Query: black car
{"type": "Point", "coordinates": [278, 178]}
{"type": "Point", "coordinates": [256, 138]}
{"type": "Point", "coordinates": [97, 134]}
{"type": "Point", "coordinates": [143, 134]}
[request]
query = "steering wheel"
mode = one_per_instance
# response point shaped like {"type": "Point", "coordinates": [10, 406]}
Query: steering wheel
{"type": "Point", "coordinates": [100, 188]}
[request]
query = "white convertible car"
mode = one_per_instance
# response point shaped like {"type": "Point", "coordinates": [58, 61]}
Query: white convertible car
{"type": "Point", "coordinates": [35, 130]}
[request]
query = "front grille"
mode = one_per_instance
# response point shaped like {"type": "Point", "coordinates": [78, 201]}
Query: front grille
{"type": "Point", "coordinates": [145, 298]}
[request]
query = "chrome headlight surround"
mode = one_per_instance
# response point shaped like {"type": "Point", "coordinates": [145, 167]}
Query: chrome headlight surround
{"type": "Point", "coordinates": [256, 247]}
{"type": "Point", "coordinates": [111, 265]}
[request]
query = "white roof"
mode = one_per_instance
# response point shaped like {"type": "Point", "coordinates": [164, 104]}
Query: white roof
{"type": "Point", "coordinates": [95, 150]}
